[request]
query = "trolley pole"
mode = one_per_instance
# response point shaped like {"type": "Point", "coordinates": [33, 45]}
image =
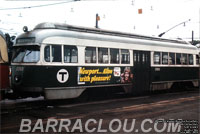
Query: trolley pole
{"type": "Point", "coordinates": [160, 35]}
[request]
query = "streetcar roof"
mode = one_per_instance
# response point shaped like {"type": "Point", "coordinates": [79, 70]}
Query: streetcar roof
{"type": "Point", "coordinates": [45, 30]}
{"type": "Point", "coordinates": [103, 32]}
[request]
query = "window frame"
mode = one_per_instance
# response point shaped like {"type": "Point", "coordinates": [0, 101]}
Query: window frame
{"type": "Point", "coordinates": [71, 54]}
{"type": "Point", "coordinates": [197, 59]}
{"type": "Point", "coordinates": [92, 55]}
{"type": "Point", "coordinates": [172, 59]}
{"type": "Point", "coordinates": [129, 57]}
{"type": "Point", "coordinates": [62, 54]}
{"type": "Point", "coordinates": [179, 59]}
{"type": "Point", "coordinates": [99, 60]}
{"type": "Point", "coordinates": [52, 57]}
{"type": "Point", "coordinates": [189, 63]}
{"type": "Point", "coordinates": [175, 58]}
{"type": "Point", "coordinates": [118, 59]}
{"type": "Point", "coordinates": [160, 59]}
{"type": "Point", "coordinates": [184, 58]}
{"type": "Point", "coordinates": [166, 53]}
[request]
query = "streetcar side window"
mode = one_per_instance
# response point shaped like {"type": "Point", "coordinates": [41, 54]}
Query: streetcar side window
{"type": "Point", "coordinates": [56, 53]}
{"type": "Point", "coordinates": [178, 59]}
{"type": "Point", "coordinates": [197, 59]}
{"type": "Point", "coordinates": [103, 55]}
{"type": "Point", "coordinates": [156, 58]}
{"type": "Point", "coordinates": [165, 58]}
{"type": "Point", "coordinates": [125, 56]}
{"type": "Point", "coordinates": [47, 53]}
{"type": "Point", "coordinates": [191, 61]}
{"type": "Point", "coordinates": [171, 58]}
{"type": "Point", "coordinates": [114, 56]}
{"type": "Point", "coordinates": [70, 54]}
{"type": "Point", "coordinates": [184, 59]}
{"type": "Point", "coordinates": [90, 55]}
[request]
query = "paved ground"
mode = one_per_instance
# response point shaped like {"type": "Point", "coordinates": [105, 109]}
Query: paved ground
{"type": "Point", "coordinates": [177, 113]}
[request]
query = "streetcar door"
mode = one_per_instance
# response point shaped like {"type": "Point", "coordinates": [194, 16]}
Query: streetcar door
{"type": "Point", "coordinates": [141, 72]}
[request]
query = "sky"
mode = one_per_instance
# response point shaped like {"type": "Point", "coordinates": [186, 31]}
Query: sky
{"type": "Point", "coordinates": [119, 15]}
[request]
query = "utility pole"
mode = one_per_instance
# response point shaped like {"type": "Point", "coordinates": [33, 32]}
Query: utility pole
{"type": "Point", "coordinates": [97, 20]}
{"type": "Point", "coordinates": [192, 37]}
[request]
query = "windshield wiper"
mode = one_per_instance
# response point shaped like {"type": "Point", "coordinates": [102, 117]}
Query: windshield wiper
{"type": "Point", "coordinates": [29, 52]}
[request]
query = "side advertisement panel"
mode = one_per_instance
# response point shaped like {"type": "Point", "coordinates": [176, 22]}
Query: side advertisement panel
{"type": "Point", "coordinates": [104, 75]}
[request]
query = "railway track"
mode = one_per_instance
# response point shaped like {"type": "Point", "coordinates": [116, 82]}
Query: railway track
{"type": "Point", "coordinates": [171, 105]}
{"type": "Point", "coordinates": [25, 104]}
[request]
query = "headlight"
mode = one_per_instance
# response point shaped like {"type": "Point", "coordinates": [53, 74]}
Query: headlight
{"type": "Point", "coordinates": [17, 78]}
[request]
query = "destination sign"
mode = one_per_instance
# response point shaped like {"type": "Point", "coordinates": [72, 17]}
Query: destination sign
{"type": "Point", "coordinates": [25, 40]}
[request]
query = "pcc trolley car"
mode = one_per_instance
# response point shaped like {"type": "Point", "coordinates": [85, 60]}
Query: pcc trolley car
{"type": "Point", "coordinates": [62, 61]}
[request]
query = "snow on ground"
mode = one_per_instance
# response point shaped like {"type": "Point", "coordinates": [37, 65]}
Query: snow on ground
{"type": "Point", "coordinates": [29, 99]}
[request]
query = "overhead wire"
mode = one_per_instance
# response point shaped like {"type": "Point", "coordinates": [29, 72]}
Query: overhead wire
{"type": "Point", "coordinates": [44, 5]}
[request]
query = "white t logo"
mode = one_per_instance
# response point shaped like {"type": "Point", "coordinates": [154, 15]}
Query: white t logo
{"type": "Point", "coordinates": [62, 75]}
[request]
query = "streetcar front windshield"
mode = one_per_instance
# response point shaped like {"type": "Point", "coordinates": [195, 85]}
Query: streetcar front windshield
{"type": "Point", "coordinates": [26, 54]}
